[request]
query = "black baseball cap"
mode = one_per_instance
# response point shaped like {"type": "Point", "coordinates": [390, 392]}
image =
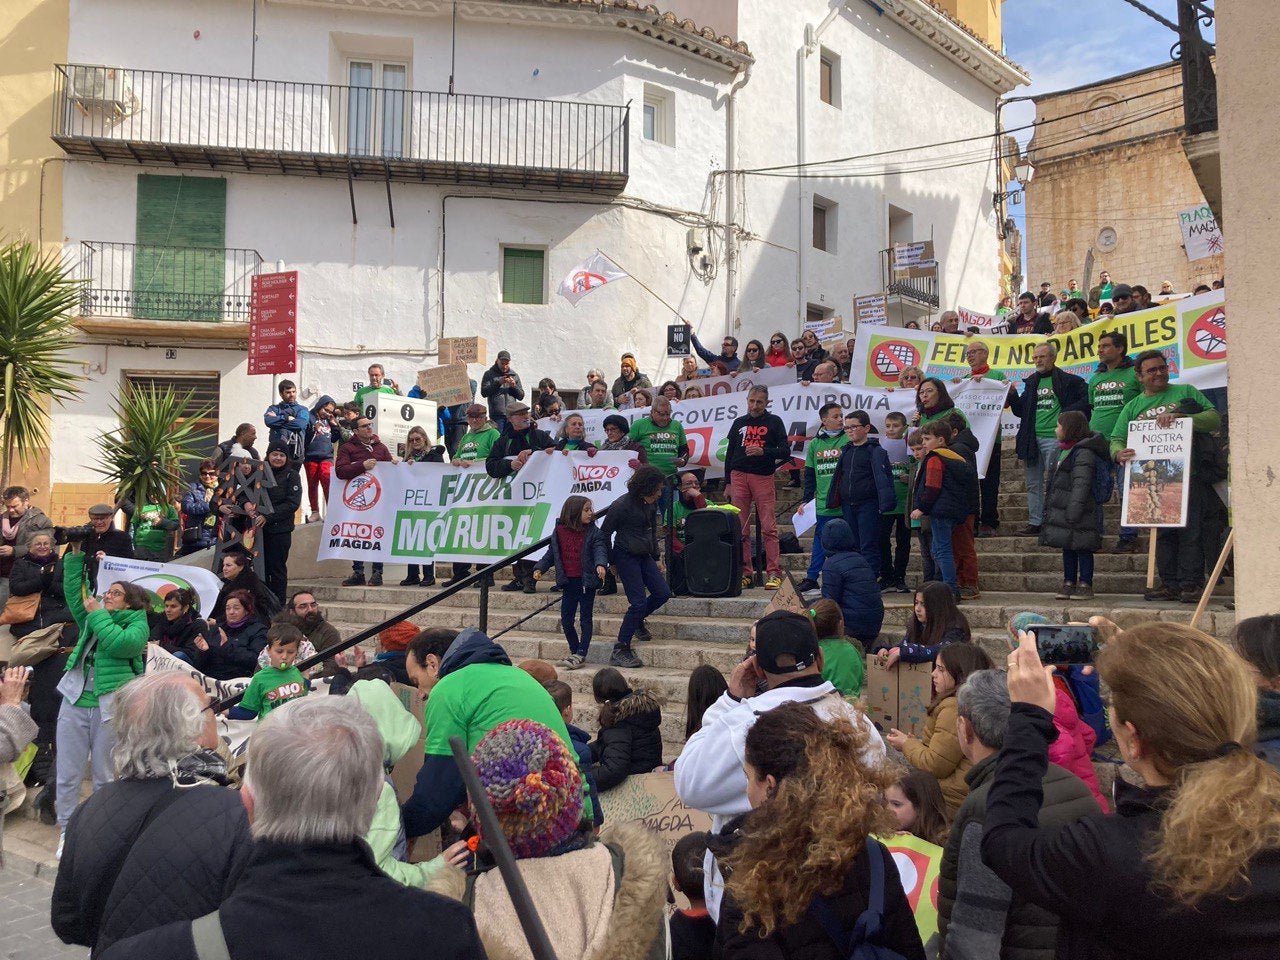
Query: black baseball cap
{"type": "Point", "coordinates": [786, 643]}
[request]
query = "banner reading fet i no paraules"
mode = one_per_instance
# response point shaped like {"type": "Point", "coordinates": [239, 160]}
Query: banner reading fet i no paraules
{"type": "Point", "coordinates": [424, 512]}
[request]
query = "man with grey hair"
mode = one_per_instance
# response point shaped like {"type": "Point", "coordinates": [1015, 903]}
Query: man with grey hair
{"type": "Point", "coordinates": [979, 916]}
{"type": "Point", "coordinates": [135, 850]}
{"type": "Point", "coordinates": [313, 782]}
{"type": "Point", "coordinates": [1046, 393]}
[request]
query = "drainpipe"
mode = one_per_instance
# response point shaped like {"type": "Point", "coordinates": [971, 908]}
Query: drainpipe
{"type": "Point", "coordinates": [731, 207]}
{"type": "Point", "coordinates": [811, 36]}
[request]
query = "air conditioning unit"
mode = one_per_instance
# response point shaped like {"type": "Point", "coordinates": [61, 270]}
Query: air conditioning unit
{"type": "Point", "coordinates": [102, 88]}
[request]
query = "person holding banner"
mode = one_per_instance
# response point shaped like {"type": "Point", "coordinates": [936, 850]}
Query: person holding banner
{"type": "Point", "coordinates": [1113, 384]}
{"type": "Point", "coordinates": [359, 455]}
{"type": "Point", "coordinates": [977, 354]}
{"type": "Point", "coordinates": [757, 445]}
{"type": "Point", "coordinates": [778, 355]}
{"type": "Point", "coordinates": [1045, 394]}
{"type": "Point", "coordinates": [1179, 550]}
{"type": "Point", "coordinates": [519, 440]}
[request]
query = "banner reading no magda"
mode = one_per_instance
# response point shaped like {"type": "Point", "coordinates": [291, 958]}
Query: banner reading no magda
{"type": "Point", "coordinates": [423, 512]}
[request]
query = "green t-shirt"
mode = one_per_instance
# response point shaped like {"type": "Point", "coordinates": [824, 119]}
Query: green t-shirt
{"type": "Point", "coordinates": [822, 457]}
{"type": "Point", "coordinates": [942, 415]}
{"type": "Point", "coordinates": [901, 483]}
{"type": "Point", "coordinates": [989, 375]}
{"type": "Point", "coordinates": [1143, 407]}
{"type": "Point", "coordinates": [476, 446]}
{"type": "Point", "coordinates": [1109, 391]}
{"type": "Point", "coordinates": [147, 532]}
{"type": "Point", "coordinates": [662, 444]}
{"type": "Point", "coordinates": [474, 699]}
{"type": "Point", "coordinates": [366, 390]}
{"type": "Point", "coordinates": [1047, 409]}
{"type": "Point", "coordinates": [272, 687]}
{"type": "Point", "coordinates": [843, 666]}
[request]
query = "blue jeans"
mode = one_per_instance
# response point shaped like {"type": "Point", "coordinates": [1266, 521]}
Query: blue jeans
{"type": "Point", "coordinates": [864, 520]}
{"type": "Point", "coordinates": [1127, 534]}
{"type": "Point", "coordinates": [577, 602]}
{"type": "Point", "coordinates": [646, 589]}
{"type": "Point", "coordinates": [819, 555]}
{"type": "Point", "coordinates": [82, 734]}
{"type": "Point", "coordinates": [357, 567]}
{"type": "Point", "coordinates": [1037, 473]}
{"type": "Point", "coordinates": [1077, 566]}
{"type": "Point", "coordinates": [941, 529]}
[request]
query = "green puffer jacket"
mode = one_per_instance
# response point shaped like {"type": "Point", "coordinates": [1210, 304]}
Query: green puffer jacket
{"type": "Point", "coordinates": [122, 635]}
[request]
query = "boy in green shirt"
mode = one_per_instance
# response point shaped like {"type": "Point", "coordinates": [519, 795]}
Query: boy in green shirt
{"type": "Point", "coordinates": [821, 458]}
{"type": "Point", "coordinates": [893, 523]}
{"type": "Point", "coordinates": [278, 682]}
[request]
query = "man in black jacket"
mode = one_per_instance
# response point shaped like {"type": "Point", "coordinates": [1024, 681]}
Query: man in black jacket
{"type": "Point", "coordinates": [311, 887]}
{"type": "Point", "coordinates": [167, 830]}
{"type": "Point", "coordinates": [1046, 394]}
{"type": "Point", "coordinates": [100, 540]}
{"type": "Point", "coordinates": [757, 445]}
{"type": "Point", "coordinates": [978, 914]}
{"type": "Point", "coordinates": [519, 440]}
{"type": "Point", "coordinates": [277, 532]}
{"type": "Point", "coordinates": [501, 386]}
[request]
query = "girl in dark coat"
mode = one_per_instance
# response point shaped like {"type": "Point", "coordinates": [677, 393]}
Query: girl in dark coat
{"type": "Point", "coordinates": [178, 626]}
{"type": "Point", "coordinates": [236, 640]}
{"type": "Point", "coordinates": [1072, 517]}
{"type": "Point", "coordinates": [630, 738]}
{"type": "Point", "coordinates": [798, 868]}
{"type": "Point", "coordinates": [935, 622]}
{"type": "Point", "coordinates": [277, 532]}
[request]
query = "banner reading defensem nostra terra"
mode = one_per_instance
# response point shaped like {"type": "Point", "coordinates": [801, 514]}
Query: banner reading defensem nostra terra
{"type": "Point", "coordinates": [1191, 333]}
{"type": "Point", "coordinates": [424, 512]}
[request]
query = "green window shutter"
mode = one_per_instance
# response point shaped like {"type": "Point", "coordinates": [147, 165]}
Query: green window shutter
{"type": "Point", "coordinates": [179, 264]}
{"type": "Point", "coordinates": [522, 275]}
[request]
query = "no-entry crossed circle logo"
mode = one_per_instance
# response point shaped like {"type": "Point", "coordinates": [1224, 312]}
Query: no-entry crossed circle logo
{"type": "Point", "coordinates": [362, 492]}
{"type": "Point", "coordinates": [1207, 337]}
{"type": "Point", "coordinates": [891, 357]}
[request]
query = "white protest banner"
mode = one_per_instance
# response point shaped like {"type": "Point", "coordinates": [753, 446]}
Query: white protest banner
{"type": "Point", "coordinates": [591, 274]}
{"type": "Point", "coordinates": [1191, 333]}
{"type": "Point", "coordinates": [425, 512]}
{"type": "Point", "coordinates": [820, 328]}
{"type": "Point", "coordinates": [743, 381]}
{"type": "Point", "coordinates": [234, 732]}
{"type": "Point", "coordinates": [1201, 236]}
{"type": "Point", "coordinates": [1157, 481]}
{"type": "Point", "coordinates": [869, 311]}
{"type": "Point", "coordinates": [972, 318]}
{"type": "Point", "coordinates": [393, 417]}
{"type": "Point", "coordinates": [158, 579]}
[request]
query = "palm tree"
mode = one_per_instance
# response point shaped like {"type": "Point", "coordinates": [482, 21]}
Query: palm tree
{"type": "Point", "coordinates": [143, 457]}
{"type": "Point", "coordinates": [38, 299]}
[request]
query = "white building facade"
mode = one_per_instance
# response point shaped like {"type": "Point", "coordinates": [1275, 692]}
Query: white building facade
{"type": "Point", "coordinates": [331, 146]}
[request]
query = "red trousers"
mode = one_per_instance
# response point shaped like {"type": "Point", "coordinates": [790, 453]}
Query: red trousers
{"type": "Point", "coordinates": [318, 472]}
{"type": "Point", "coordinates": [744, 490]}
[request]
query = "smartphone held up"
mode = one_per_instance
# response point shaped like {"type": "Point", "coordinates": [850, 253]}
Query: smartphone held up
{"type": "Point", "coordinates": [1065, 644]}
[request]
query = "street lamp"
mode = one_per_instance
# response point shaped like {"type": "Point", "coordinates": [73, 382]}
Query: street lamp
{"type": "Point", "coordinates": [1023, 171]}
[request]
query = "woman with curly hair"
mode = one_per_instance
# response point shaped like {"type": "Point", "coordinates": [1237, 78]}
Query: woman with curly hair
{"type": "Point", "coordinates": [1189, 864]}
{"type": "Point", "coordinates": [800, 866]}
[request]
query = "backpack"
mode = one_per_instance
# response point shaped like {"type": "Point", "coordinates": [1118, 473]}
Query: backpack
{"type": "Point", "coordinates": [1103, 482]}
{"type": "Point", "coordinates": [862, 942]}
{"type": "Point", "coordinates": [1086, 691]}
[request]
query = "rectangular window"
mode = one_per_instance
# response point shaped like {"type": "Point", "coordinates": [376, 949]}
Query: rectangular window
{"type": "Point", "coordinates": [204, 389]}
{"type": "Point", "coordinates": [815, 314]}
{"type": "Point", "coordinates": [659, 115]}
{"type": "Point", "coordinates": [829, 78]}
{"type": "Point", "coordinates": [179, 262]}
{"type": "Point", "coordinates": [824, 224]}
{"type": "Point", "coordinates": [523, 275]}
{"type": "Point", "coordinates": [377, 103]}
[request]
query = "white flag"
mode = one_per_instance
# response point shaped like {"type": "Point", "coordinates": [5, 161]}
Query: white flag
{"type": "Point", "coordinates": [592, 273]}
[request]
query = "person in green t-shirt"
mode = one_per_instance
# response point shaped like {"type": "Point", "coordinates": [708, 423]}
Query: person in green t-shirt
{"type": "Point", "coordinates": [1179, 550]}
{"type": "Point", "coordinates": [1113, 385]}
{"type": "Point", "coordinates": [377, 384]}
{"type": "Point", "coordinates": [474, 447]}
{"type": "Point", "coordinates": [821, 457]}
{"type": "Point", "coordinates": [842, 661]}
{"type": "Point", "coordinates": [662, 437]}
{"type": "Point", "coordinates": [472, 688]}
{"type": "Point", "coordinates": [151, 525]}
{"type": "Point", "coordinates": [279, 681]}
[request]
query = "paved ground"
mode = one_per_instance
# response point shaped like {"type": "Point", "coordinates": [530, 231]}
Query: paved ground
{"type": "Point", "coordinates": [24, 915]}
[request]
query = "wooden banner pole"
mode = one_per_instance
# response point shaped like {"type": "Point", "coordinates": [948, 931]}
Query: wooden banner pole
{"type": "Point", "coordinates": [1213, 579]}
{"type": "Point", "coordinates": [1151, 559]}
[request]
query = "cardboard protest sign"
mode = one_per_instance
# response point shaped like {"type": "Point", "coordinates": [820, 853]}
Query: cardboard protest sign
{"type": "Point", "coordinates": [650, 799]}
{"type": "Point", "coordinates": [898, 697]}
{"type": "Point", "coordinates": [1157, 481]}
{"type": "Point", "coordinates": [869, 311]}
{"type": "Point", "coordinates": [1201, 236]}
{"type": "Point", "coordinates": [447, 386]}
{"type": "Point", "coordinates": [462, 350]}
{"type": "Point", "coordinates": [786, 597]}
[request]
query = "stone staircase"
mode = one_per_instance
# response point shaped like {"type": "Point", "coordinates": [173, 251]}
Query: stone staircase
{"type": "Point", "coordinates": [1016, 574]}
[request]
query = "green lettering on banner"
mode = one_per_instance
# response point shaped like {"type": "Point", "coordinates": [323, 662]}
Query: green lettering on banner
{"type": "Point", "coordinates": [481, 531]}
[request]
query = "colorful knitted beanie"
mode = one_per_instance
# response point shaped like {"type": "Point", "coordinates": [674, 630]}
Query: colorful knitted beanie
{"type": "Point", "coordinates": [1021, 621]}
{"type": "Point", "coordinates": [398, 636]}
{"type": "Point", "coordinates": [534, 785]}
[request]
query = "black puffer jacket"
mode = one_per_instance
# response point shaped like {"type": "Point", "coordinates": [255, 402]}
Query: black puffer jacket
{"type": "Point", "coordinates": [179, 636]}
{"type": "Point", "coordinates": [31, 576]}
{"type": "Point", "coordinates": [185, 863]}
{"type": "Point", "coordinates": [629, 527]}
{"type": "Point", "coordinates": [99, 836]}
{"type": "Point", "coordinates": [630, 739]}
{"type": "Point", "coordinates": [238, 657]}
{"type": "Point", "coordinates": [1030, 932]}
{"type": "Point", "coordinates": [806, 939]}
{"type": "Point", "coordinates": [1072, 518]}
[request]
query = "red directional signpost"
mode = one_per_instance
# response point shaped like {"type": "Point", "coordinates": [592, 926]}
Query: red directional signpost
{"type": "Point", "coordinates": [273, 324]}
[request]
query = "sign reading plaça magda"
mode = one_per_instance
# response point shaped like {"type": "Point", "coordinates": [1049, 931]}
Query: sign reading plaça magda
{"type": "Point", "coordinates": [424, 512]}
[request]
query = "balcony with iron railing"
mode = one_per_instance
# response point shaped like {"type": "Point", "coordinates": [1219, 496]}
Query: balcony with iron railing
{"type": "Point", "coordinates": [913, 286]}
{"type": "Point", "coordinates": [327, 130]}
{"type": "Point", "coordinates": [146, 282]}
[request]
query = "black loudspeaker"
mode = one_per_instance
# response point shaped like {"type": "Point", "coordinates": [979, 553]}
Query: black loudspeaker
{"type": "Point", "coordinates": [713, 553]}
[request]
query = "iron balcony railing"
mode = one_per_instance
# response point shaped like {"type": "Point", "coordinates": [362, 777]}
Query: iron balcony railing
{"type": "Point", "coordinates": [149, 282]}
{"type": "Point", "coordinates": [322, 129]}
{"type": "Point", "coordinates": [918, 284]}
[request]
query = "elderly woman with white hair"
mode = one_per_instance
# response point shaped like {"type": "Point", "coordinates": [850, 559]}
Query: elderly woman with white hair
{"type": "Point", "coordinates": [164, 838]}
{"type": "Point", "coordinates": [311, 888]}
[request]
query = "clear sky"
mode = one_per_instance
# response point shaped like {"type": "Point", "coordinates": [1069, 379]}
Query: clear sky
{"type": "Point", "coordinates": [1066, 43]}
